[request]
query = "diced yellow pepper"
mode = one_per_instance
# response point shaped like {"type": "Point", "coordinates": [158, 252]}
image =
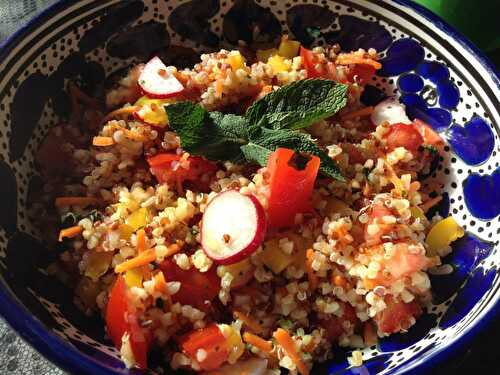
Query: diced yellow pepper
{"type": "Point", "coordinates": [277, 63]}
{"type": "Point", "coordinates": [138, 218]}
{"type": "Point", "coordinates": [97, 264]}
{"type": "Point", "coordinates": [238, 270]}
{"type": "Point", "coordinates": [442, 234]}
{"type": "Point", "coordinates": [153, 110]}
{"type": "Point", "coordinates": [133, 277]}
{"type": "Point", "coordinates": [288, 48]}
{"type": "Point", "coordinates": [273, 257]}
{"type": "Point", "coordinates": [264, 54]}
{"type": "Point", "coordinates": [417, 213]}
{"type": "Point", "coordinates": [125, 231]}
{"type": "Point", "coordinates": [236, 60]}
{"type": "Point", "coordinates": [336, 206]}
{"type": "Point", "coordinates": [234, 342]}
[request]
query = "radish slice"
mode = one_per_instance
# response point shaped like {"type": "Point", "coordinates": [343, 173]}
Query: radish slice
{"type": "Point", "coordinates": [233, 227]}
{"type": "Point", "coordinates": [390, 110]}
{"type": "Point", "coordinates": [156, 81]}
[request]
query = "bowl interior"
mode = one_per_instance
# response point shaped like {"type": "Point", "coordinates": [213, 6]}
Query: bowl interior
{"type": "Point", "coordinates": [440, 80]}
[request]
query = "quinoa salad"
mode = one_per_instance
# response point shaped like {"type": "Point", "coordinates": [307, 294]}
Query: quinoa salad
{"type": "Point", "coordinates": [247, 214]}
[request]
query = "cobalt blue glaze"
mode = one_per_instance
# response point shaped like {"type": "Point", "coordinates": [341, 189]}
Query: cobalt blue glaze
{"type": "Point", "coordinates": [467, 252]}
{"type": "Point", "coordinates": [410, 83]}
{"type": "Point", "coordinates": [415, 333]}
{"type": "Point", "coordinates": [482, 195]}
{"type": "Point", "coordinates": [339, 366]}
{"type": "Point", "coordinates": [433, 71]}
{"type": "Point", "coordinates": [402, 56]}
{"type": "Point", "coordinates": [449, 96]}
{"type": "Point", "coordinates": [475, 288]}
{"type": "Point", "coordinates": [474, 142]}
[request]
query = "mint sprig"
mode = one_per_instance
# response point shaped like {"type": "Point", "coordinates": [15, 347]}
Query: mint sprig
{"type": "Point", "coordinates": [269, 123]}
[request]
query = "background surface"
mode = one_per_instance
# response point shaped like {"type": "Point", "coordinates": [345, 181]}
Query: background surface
{"type": "Point", "coordinates": [474, 19]}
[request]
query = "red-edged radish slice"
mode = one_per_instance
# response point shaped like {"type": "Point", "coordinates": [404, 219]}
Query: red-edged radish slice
{"type": "Point", "coordinates": [390, 110]}
{"type": "Point", "coordinates": [233, 227]}
{"type": "Point", "coordinates": [156, 81]}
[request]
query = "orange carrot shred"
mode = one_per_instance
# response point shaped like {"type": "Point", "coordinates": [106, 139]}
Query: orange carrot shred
{"type": "Point", "coordinates": [261, 344]}
{"type": "Point", "coordinates": [286, 342]}
{"type": "Point", "coordinates": [141, 240]}
{"type": "Point", "coordinates": [160, 283]}
{"type": "Point", "coordinates": [369, 283]}
{"type": "Point", "coordinates": [369, 335]}
{"type": "Point", "coordinates": [363, 112]}
{"type": "Point", "coordinates": [339, 280]}
{"type": "Point", "coordinates": [313, 279]}
{"type": "Point", "coordinates": [103, 141]}
{"type": "Point", "coordinates": [70, 232]}
{"type": "Point", "coordinates": [426, 206]}
{"type": "Point", "coordinates": [76, 201]}
{"type": "Point", "coordinates": [142, 259]}
{"type": "Point", "coordinates": [120, 112]}
{"type": "Point", "coordinates": [249, 322]}
{"type": "Point", "coordinates": [351, 58]}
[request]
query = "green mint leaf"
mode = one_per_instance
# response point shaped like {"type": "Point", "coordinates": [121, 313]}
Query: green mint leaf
{"type": "Point", "coordinates": [264, 142]}
{"type": "Point", "coordinates": [313, 32]}
{"type": "Point", "coordinates": [298, 105]}
{"type": "Point", "coordinates": [214, 135]}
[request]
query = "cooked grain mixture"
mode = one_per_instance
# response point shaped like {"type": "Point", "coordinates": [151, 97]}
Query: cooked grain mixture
{"type": "Point", "coordinates": [248, 213]}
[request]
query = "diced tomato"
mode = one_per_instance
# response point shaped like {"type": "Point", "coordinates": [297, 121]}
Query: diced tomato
{"type": "Point", "coordinates": [335, 326]}
{"type": "Point", "coordinates": [403, 262]}
{"type": "Point", "coordinates": [377, 211]}
{"type": "Point", "coordinates": [361, 73]}
{"type": "Point", "coordinates": [403, 135]}
{"type": "Point", "coordinates": [310, 61]}
{"type": "Point", "coordinates": [397, 315]}
{"type": "Point", "coordinates": [196, 287]}
{"type": "Point", "coordinates": [428, 134]}
{"type": "Point", "coordinates": [120, 321]}
{"type": "Point", "coordinates": [291, 185]}
{"type": "Point", "coordinates": [166, 168]}
{"type": "Point", "coordinates": [212, 341]}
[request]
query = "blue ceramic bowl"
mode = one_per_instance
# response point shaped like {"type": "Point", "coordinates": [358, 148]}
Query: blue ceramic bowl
{"type": "Point", "coordinates": [436, 72]}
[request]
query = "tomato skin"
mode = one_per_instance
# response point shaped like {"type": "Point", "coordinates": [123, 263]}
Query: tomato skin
{"type": "Point", "coordinates": [362, 72]}
{"type": "Point", "coordinates": [309, 60]}
{"type": "Point", "coordinates": [428, 134]}
{"type": "Point", "coordinates": [397, 315]}
{"type": "Point", "coordinates": [120, 321]}
{"type": "Point", "coordinates": [403, 135]}
{"type": "Point", "coordinates": [209, 339]}
{"type": "Point", "coordinates": [163, 166]}
{"type": "Point", "coordinates": [196, 287]}
{"type": "Point", "coordinates": [290, 189]}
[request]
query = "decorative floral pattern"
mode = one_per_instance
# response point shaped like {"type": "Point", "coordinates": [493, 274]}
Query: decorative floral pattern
{"type": "Point", "coordinates": [104, 46]}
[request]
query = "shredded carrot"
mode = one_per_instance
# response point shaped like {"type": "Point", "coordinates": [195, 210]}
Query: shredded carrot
{"type": "Point", "coordinates": [125, 111]}
{"type": "Point", "coordinates": [218, 88]}
{"type": "Point", "coordinates": [103, 141]}
{"type": "Point", "coordinates": [249, 322]}
{"type": "Point", "coordinates": [174, 248]}
{"type": "Point", "coordinates": [160, 283]}
{"type": "Point", "coordinates": [141, 240]}
{"type": "Point", "coordinates": [367, 190]}
{"type": "Point", "coordinates": [142, 259]}
{"type": "Point", "coordinates": [339, 280]}
{"type": "Point", "coordinates": [426, 206]}
{"type": "Point", "coordinates": [369, 283]}
{"type": "Point", "coordinates": [369, 335]}
{"type": "Point", "coordinates": [70, 232]}
{"type": "Point", "coordinates": [286, 342]}
{"type": "Point", "coordinates": [76, 201]}
{"type": "Point", "coordinates": [363, 112]}
{"type": "Point", "coordinates": [313, 279]}
{"type": "Point", "coordinates": [261, 344]}
{"type": "Point", "coordinates": [352, 58]}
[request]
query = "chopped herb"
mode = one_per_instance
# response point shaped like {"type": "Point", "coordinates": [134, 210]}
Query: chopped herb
{"type": "Point", "coordinates": [432, 149]}
{"type": "Point", "coordinates": [285, 324]}
{"type": "Point", "coordinates": [269, 123]}
{"type": "Point", "coordinates": [313, 32]}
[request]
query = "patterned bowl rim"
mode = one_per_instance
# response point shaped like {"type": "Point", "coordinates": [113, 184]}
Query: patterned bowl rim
{"type": "Point", "coordinates": [73, 360]}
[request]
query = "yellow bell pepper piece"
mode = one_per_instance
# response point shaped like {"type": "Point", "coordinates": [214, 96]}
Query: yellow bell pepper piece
{"type": "Point", "coordinates": [442, 234]}
{"type": "Point", "coordinates": [125, 231]}
{"type": "Point", "coordinates": [153, 110]}
{"type": "Point", "coordinates": [98, 263]}
{"type": "Point", "coordinates": [236, 60]}
{"type": "Point", "coordinates": [234, 342]}
{"type": "Point", "coordinates": [273, 257]}
{"type": "Point", "coordinates": [238, 270]}
{"type": "Point", "coordinates": [133, 277]}
{"type": "Point", "coordinates": [138, 219]}
{"type": "Point", "coordinates": [288, 48]}
{"type": "Point", "coordinates": [277, 64]}
{"type": "Point", "coordinates": [264, 54]}
{"type": "Point", "coordinates": [417, 213]}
